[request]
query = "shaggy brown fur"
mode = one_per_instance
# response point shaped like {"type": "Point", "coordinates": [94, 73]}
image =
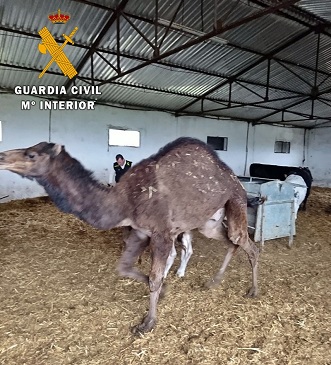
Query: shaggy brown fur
{"type": "Point", "coordinates": [182, 187]}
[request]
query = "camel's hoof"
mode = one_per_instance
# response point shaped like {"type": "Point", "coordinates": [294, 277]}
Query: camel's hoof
{"type": "Point", "coordinates": [251, 293]}
{"type": "Point", "coordinates": [144, 327]}
{"type": "Point", "coordinates": [180, 274]}
{"type": "Point", "coordinates": [212, 283]}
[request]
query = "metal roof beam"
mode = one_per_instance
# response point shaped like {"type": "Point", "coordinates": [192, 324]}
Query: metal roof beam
{"type": "Point", "coordinates": [259, 104]}
{"type": "Point", "coordinates": [229, 44]}
{"type": "Point", "coordinates": [318, 21]}
{"type": "Point", "coordinates": [145, 59]}
{"type": "Point", "coordinates": [248, 89]}
{"type": "Point", "coordinates": [252, 65]}
{"type": "Point", "coordinates": [325, 101]}
{"type": "Point", "coordinates": [276, 59]}
{"type": "Point", "coordinates": [203, 38]}
{"type": "Point", "coordinates": [98, 39]}
{"type": "Point", "coordinates": [283, 109]}
{"type": "Point", "coordinates": [294, 73]}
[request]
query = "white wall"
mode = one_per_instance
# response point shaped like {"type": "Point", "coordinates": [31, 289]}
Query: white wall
{"type": "Point", "coordinates": [318, 155]}
{"type": "Point", "coordinates": [262, 141]}
{"type": "Point", "coordinates": [85, 136]}
{"type": "Point", "coordinates": [235, 131]}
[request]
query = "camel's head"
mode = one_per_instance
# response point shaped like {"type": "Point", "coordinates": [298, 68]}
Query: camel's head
{"type": "Point", "coordinates": [30, 162]}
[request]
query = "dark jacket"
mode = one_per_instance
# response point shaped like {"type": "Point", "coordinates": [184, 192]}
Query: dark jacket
{"type": "Point", "coordinates": [119, 172]}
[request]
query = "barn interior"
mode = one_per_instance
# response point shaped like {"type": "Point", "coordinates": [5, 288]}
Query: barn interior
{"type": "Point", "coordinates": [249, 77]}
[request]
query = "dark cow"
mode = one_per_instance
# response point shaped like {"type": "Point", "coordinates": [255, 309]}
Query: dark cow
{"type": "Point", "coordinates": [280, 173]}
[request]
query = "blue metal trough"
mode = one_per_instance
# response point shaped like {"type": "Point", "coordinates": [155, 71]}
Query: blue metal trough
{"type": "Point", "coordinates": [274, 218]}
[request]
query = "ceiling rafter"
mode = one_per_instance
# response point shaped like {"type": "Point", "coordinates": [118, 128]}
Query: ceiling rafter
{"type": "Point", "coordinates": [98, 39]}
{"type": "Point", "coordinates": [238, 104]}
{"type": "Point", "coordinates": [286, 14]}
{"type": "Point", "coordinates": [249, 67]}
{"type": "Point", "coordinates": [229, 44]}
{"type": "Point", "coordinates": [203, 38]}
{"type": "Point", "coordinates": [261, 105]}
{"type": "Point", "coordinates": [281, 110]}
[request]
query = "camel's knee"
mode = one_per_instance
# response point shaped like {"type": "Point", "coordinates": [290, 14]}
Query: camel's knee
{"type": "Point", "coordinates": [252, 251]}
{"type": "Point", "coordinates": [186, 254]}
{"type": "Point", "coordinates": [162, 245]}
{"type": "Point", "coordinates": [155, 282]}
{"type": "Point", "coordinates": [187, 242]}
{"type": "Point", "coordinates": [187, 251]}
{"type": "Point", "coordinates": [241, 238]}
{"type": "Point", "coordinates": [173, 253]}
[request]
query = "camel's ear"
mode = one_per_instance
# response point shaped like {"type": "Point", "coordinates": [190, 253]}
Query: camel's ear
{"type": "Point", "coordinates": [56, 149]}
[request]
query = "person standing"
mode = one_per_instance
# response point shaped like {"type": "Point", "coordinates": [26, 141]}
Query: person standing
{"type": "Point", "coordinates": [121, 166]}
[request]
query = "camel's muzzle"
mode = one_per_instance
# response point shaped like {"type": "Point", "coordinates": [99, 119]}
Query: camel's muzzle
{"type": "Point", "coordinates": [2, 159]}
{"type": "Point", "coordinates": [10, 158]}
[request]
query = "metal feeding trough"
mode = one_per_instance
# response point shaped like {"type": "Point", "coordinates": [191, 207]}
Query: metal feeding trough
{"type": "Point", "coordinates": [274, 218]}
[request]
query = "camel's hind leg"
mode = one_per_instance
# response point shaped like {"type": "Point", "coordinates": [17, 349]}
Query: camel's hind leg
{"type": "Point", "coordinates": [236, 235]}
{"type": "Point", "coordinates": [215, 229]}
{"type": "Point", "coordinates": [253, 255]}
{"type": "Point", "coordinates": [236, 212]}
{"type": "Point", "coordinates": [219, 276]}
{"type": "Point", "coordinates": [160, 249]}
{"type": "Point", "coordinates": [135, 245]}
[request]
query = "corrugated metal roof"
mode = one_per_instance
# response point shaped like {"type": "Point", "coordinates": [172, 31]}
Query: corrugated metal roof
{"type": "Point", "coordinates": [129, 96]}
{"type": "Point", "coordinates": [294, 53]}
{"type": "Point", "coordinates": [10, 78]}
{"type": "Point", "coordinates": [200, 72]}
{"type": "Point", "coordinates": [322, 8]}
{"type": "Point", "coordinates": [23, 51]}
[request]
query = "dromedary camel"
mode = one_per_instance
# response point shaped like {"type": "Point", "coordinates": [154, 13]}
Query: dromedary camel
{"type": "Point", "coordinates": [182, 187]}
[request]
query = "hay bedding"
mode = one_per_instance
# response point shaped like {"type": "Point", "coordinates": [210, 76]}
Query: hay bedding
{"type": "Point", "coordinates": [62, 302]}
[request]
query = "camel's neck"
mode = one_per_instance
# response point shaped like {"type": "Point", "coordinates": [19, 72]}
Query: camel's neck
{"type": "Point", "coordinates": [74, 190]}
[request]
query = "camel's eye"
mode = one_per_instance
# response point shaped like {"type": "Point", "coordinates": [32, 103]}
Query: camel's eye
{"type": "Point", "coordinates": [31, 155]}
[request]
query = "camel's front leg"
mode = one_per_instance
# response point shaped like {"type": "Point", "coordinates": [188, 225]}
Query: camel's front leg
{"type": "Point", "coordinates": [160, 246]}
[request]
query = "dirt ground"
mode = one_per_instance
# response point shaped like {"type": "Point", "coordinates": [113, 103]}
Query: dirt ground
{"type": "Point", "coordinates": [61, 301]}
